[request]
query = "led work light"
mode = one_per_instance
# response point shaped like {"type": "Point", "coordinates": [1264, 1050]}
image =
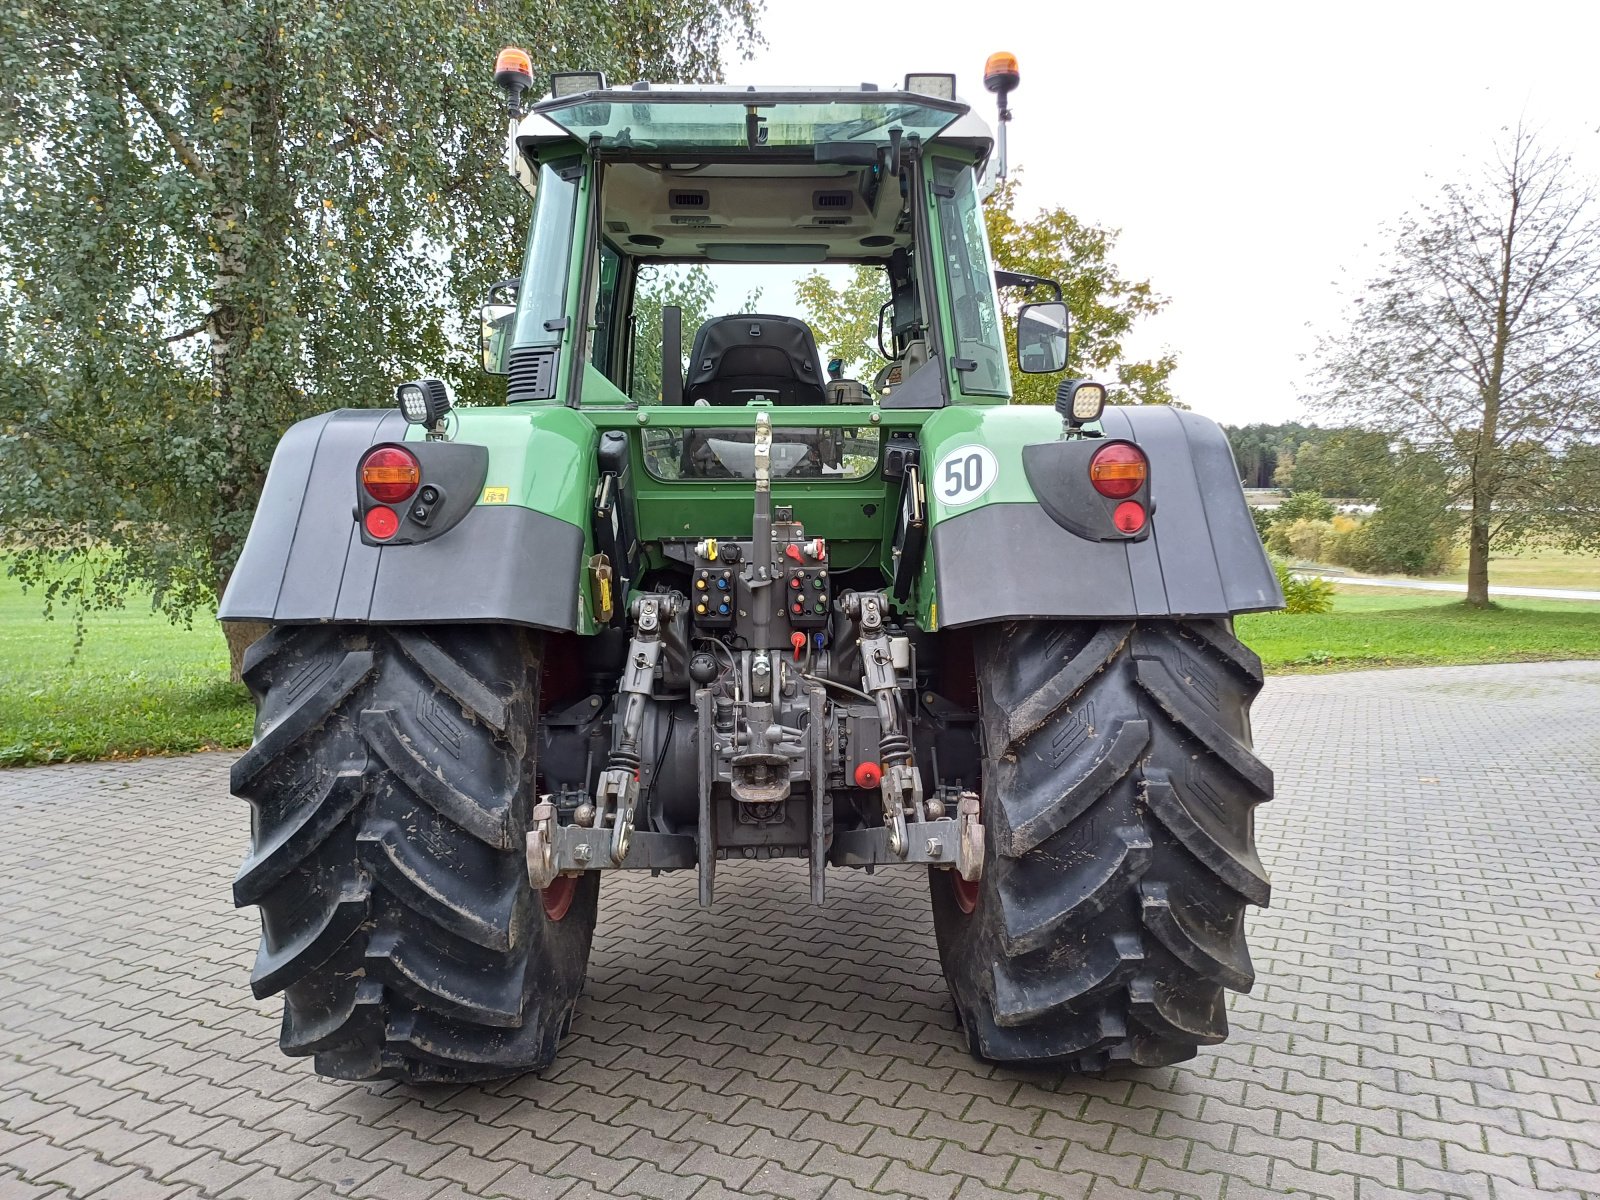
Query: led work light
{"type": "Point", "coordinates": [1080, 401]}
{"type": "Point", "coordinates": [424, 402]}
{"type": "Point", "coordinates": [940, 87]}
{"type": "Point", "coordinates": [575, 83]}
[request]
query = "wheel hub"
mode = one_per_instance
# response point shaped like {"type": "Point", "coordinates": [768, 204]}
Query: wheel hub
{"type": "Point", "coordinates": [557, 898]}
{"type": "Point", "coordinates": [966, 892]}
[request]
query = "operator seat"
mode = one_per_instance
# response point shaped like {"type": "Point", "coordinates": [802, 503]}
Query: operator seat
{"type": "Point", "coordinates": [754, 356]}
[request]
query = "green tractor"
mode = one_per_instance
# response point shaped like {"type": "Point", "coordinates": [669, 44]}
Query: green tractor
{"type": "Point", "coordinates": [661, 610]}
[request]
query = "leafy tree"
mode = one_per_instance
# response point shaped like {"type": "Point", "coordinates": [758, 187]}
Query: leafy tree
{"type": "Point", "coordinates": [219, 218]}
{"type": "Point", "coordinates": [1258, 449]}
{"type": "Point", "coordinates": [1479, 344]}
{"type": "Point", "coordinates": [1414, 530]}
{"type": "Point", "coordinates": [1355, 464]}
{"type": "Point", "coordinates": [1309, 506]}
{"type": "Point", "coordinates": [845, 319]}
{"type": "Point", "coordinates": [1054, 244]}
{"type": "Point", "coordinates": [693, 292]}
{"type": "Point", "coordinates": [1105, 307]}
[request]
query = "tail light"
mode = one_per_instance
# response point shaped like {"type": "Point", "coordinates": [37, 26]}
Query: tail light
{"type": "Point", "coordinates": [391, 474]}
{"type": "Point", "coordinates": [1119, 470]}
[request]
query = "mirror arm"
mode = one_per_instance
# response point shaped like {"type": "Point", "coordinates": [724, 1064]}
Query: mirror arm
{"type": "Point", "coordinates": [1020, 279]}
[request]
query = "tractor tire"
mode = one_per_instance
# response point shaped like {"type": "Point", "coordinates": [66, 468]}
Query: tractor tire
{"type": "Point", "coordinates": [391, 782]}
{"type": "Point", "coordinates": [1118, 793]}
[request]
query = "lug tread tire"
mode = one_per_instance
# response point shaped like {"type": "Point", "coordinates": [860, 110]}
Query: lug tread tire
{"type": "Point", "coordinates": [390, 782]}
{"type": "Point", "coordinates": [1119, 785]}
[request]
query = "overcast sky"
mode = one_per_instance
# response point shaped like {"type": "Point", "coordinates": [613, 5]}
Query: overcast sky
{"type": "Point", "coordinates": [1248, 152]}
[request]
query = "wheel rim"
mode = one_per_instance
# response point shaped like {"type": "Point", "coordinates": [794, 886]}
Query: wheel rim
{"type": "Point", "coordinates": [966, 893]}
{"type": "Point", "coordinates": [557, 898]}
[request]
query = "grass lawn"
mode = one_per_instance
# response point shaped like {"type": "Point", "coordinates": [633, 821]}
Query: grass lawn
{"type": "Point", "coordinates": [138, 685]}
{"type": "Point", "coordinates": [1416, 629]}
{"type": "Point", "coordinates": [141, 686]}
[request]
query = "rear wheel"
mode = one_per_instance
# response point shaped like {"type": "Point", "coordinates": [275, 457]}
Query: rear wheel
{"type": "Point", "coordinates": [391, 780]}
{"type": "Point", "coordinates": [1118, 793]}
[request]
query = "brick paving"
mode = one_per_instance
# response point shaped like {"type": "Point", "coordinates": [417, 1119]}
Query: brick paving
{"type": "Point", "coordinates": [1427, 1021]}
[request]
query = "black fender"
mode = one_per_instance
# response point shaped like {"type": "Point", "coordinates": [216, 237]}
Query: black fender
{"type": "Point", "coordinates": [1202, 556]}
{"type": "Point", "coordinates": [306, 561]}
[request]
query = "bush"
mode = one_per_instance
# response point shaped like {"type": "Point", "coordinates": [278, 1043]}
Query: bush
{"type": "Point", "coordinates": [1303, 595]}
{"type": "Point", "coordinates": [1414, 530]}
{"type": "Point", "coordinates": [1300, 539]}
{"type": "Point", "coordinates": [1339, 542]}
{"type": "Point", "coordinates": [1263, 519]}
{"type": "Point", "coordinates": [1393, 541]}
{"type": "Point", "coordinates": [1303, 505]}
{"type": "Point", "coordinates": [1307, 539]}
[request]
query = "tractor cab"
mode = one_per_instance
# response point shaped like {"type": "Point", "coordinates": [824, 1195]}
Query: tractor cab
{"type": "Point", "coordinates": [672, 224]}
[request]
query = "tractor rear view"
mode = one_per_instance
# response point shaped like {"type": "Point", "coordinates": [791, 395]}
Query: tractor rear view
{"type": "Point", "coordinates": [689, 596]}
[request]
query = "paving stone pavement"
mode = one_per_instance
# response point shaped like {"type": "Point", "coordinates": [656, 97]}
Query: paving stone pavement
{"type": "Point", "coordinates": [1427, 1020]}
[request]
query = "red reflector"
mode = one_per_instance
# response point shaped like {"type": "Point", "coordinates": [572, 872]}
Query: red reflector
{"type": "Point", "coordinates": [382, 523]}
{"type": "Point", "coordinates": [390, 474]}
{"type": "Point", "coordinates": [868, 775]}
{"type": "Point", "coordinates": [1129, 516]}
{"type": "Point", "coordinates": [1118, 471]}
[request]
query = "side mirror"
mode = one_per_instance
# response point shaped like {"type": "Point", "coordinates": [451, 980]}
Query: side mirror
{"type": "Point", "coordinates": [1042, 337]}
{"type": "Point", "coordinates": [495, 318]}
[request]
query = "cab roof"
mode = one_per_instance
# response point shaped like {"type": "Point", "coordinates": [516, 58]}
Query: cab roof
{"type": "Point", "coordinates": [652, 119]}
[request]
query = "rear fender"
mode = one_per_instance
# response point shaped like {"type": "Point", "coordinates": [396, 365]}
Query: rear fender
{"type": "Point", "coordinates": [515, 555]}
{"type": "Point", "coordinates": [996, 553]}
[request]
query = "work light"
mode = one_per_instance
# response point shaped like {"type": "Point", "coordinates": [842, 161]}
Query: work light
{"type": "Point", "coordinates": [575, 83]}
{"type": "Point", "coordinates": [1080, 401]}
{"type": "Point", "coordinates": [940, 87]}
{"type": "Point", "coordinates": [423, 402]}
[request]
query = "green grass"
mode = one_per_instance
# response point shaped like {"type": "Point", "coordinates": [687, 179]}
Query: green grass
{"type": "Point", "coordinates": [138, 685]}
{"type": "Point", "coordinates": [141, 686]}
{"type": "Point", "coordinates": [1399, 629]}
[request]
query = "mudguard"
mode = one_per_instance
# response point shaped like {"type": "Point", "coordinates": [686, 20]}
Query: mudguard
{"type": "Point", "coordinates": [1000, 555]}
{"type": "Point", "coordinates": [515, 557]}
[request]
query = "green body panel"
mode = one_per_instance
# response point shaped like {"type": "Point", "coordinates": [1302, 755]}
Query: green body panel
{"type": "Point", "coordinates": [1003, 430]}
{"type": "Point", "coordinates": [543, 456]}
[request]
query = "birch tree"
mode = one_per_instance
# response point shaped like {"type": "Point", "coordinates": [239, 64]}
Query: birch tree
{"type": "Point", "coordinates": [220, 216]}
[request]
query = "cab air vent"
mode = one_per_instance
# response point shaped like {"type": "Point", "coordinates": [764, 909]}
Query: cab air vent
{"type": "Point", "coordinates": [832, 201]}
{"type": "Point", "coordinates": [685, 199]}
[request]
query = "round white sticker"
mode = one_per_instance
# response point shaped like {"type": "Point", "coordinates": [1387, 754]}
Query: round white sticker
{"type": "Point", "coordinates": [965, 474]}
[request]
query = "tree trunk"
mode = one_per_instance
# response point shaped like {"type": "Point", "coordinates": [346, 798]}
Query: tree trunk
{"type": "Point", "coordinates": [1478, 558]}
{"type": "Point", "coordinates": [240, 635]}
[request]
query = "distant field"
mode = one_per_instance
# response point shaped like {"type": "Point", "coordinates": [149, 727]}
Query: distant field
{"type": "Point", "coordinates": [141, 686]}
{"type": "Point", "coordinates": [1536, 566]}
{"type": "Point", "coordinates": [138, 685]}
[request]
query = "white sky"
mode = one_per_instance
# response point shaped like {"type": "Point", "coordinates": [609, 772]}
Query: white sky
{"type": "Point", "coordinates": [1248, 152]}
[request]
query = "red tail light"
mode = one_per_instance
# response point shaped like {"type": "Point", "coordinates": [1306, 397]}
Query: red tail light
{"type": "Point", "coordinates": [390, 474]}
{"type": "Point", "coordinates": [1129, 517]}
{"type": "Point", "coordinates": [1119, 470]}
